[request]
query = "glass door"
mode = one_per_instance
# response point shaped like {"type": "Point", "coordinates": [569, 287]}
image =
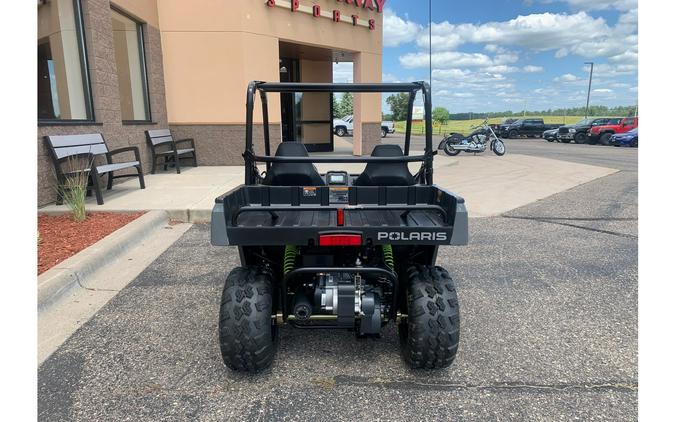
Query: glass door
{"type": "Point", "coordinates": [305, 117]}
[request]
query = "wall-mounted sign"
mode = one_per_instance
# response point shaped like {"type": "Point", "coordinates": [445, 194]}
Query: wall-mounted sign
{"type": "Point", "coordinates": [335, 15]}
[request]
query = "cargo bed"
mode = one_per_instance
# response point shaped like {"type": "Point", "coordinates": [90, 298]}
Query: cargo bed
{"type": "Point", "coordinates": [280, 215]}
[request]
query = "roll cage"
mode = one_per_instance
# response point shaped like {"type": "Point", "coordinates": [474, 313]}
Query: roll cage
{"type": "Point", "coordinates": [250, 157]}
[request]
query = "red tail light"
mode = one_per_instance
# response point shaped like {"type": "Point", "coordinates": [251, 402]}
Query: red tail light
{"type": "Point", "coordinates": [340, 217]}
{"type": "Point", "coordinates": [340, 240]}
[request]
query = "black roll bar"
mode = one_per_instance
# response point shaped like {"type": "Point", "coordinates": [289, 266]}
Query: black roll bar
{"type": "Point", "coordinates": [411, 88]}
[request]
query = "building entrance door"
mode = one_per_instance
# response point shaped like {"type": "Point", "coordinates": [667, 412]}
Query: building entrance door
{"type": "Point", "coordinates": [305, 117]}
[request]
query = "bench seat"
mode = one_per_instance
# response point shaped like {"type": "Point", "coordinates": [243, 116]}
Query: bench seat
{"type": "Point", "coordinates": [164, 146]}
{"type": "Point", "coordinates": [64, 148]}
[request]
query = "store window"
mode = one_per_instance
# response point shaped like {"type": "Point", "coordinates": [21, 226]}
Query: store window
{"type": "Point", "coordinates": [63, 81]}
{"type": "Point", "coordinates": [131, 73]}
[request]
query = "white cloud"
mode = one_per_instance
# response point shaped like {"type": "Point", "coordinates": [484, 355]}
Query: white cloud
{"type": "Point", "coordinates": [502, 68]}
{"type": "Point", "coordinates": [567, 77]}
{"type": "Point", "coordinates": [389, 78]}
{"type": "Point", "coordinates": [482, 59]}
{"type": "Point", "coordinates": [578, 33]}
{"type": "Point", "coordinates": [601, 4]}
{"type": "Point", "coordinates": [542, 32]}
{"type": "Point", "coordinates": [443, 37]}
{"type": "Point", "coordinates": [533, 69]}
{"type": "Point", "coordinates": [450, 59]}
{"type": "Point", "coordinates": [397, 31]}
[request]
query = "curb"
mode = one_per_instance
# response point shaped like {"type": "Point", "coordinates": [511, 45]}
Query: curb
{"type": "Point", "coordinates": [185, 215]}
{"type": "Point", "coordinates": [56, 282]}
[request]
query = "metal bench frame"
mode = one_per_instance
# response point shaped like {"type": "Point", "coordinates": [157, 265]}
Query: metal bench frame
{"type": "Point", "coordinates": [88, 146]}
{"type": "Point", "coordinates": [159, 139]}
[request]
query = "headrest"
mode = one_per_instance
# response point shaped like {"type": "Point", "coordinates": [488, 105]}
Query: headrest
{"type": "Point", "coordinates": [387, 150]}
{"type": "Point", "coordinates": [291, 149]}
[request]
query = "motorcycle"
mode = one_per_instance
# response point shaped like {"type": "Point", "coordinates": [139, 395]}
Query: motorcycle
{"type": "Point", "coordinates": [476, 142]}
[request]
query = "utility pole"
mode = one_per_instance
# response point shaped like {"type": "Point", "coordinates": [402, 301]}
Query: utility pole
{"type": "Point", "coordinates": [430, 68]}
{"type": "Point", "coordinates": [590, 81]}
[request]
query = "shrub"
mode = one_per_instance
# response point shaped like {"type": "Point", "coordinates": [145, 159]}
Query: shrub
{"type": "Point", "coordinates": [73, 188]}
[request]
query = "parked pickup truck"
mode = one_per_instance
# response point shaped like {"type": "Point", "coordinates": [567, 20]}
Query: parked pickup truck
{"type": "Point", "coordinates": [387, 128]}
{"type": "Point", "coordinates": [345, 126]}
{"type": "Point", "coordinates": [526, 127]}
{"type": "Point", "coordinates": [578, 132]}
{"type": "Point", "coordinates": [602, 133]}
{"type": "Point", "coordinates": [499, 126]}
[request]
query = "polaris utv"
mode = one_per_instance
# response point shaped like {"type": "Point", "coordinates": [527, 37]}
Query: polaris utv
{"type": "Point", "coordinates": [338, 250]}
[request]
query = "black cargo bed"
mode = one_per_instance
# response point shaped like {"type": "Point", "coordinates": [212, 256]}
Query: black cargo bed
{"type": "Point", "coordinates": [353, 218]}
{"type": "Point", "coordinates": [277, 215]}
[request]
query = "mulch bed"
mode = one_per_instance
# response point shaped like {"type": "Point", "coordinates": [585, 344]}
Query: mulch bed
{"type": "Point", "coordinates": [61, 237]}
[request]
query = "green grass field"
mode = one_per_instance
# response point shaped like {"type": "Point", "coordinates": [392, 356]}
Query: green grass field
{"type": "Point", "coordinates": [464, 126]}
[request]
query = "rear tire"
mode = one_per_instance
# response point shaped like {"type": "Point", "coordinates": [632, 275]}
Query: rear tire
{"type": "Point", "coordinates": [430, 336]}
{"type": "Point", "coordinates": [604, 138]}
{"type": "Point", "coordinates": [447, 147]}
{"type": "Point", "coordinates": [248, 338]}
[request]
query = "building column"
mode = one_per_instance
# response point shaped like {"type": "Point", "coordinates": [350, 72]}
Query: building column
{"type": "Point", "coordinates": [367, 107]}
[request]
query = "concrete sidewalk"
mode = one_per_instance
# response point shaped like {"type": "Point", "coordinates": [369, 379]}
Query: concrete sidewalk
{"type": "Point", "coordinates": [491, 185]}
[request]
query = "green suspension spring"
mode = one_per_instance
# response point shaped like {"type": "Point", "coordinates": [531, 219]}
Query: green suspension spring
{"type": "Point", "coordinates": [388, 254]}
{"type": "Point", "coordinates": [290, 252]}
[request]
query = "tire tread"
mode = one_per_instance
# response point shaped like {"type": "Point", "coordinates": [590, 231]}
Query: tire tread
{"type": "Point", "coordinates": [431, 336]}
{"type": "Point", "coordinates": [246, 335]}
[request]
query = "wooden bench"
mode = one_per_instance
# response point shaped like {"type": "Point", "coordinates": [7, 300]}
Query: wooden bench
{"type": "Point", "coordinates": [63, 148]}
{"type": "Point", "coordinates": [163, 146]}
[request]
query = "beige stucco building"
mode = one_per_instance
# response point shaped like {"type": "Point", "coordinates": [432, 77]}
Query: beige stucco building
{"type": "Point", "coordinates": [125, 66]}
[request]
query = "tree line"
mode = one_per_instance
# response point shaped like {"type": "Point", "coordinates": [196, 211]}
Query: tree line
{"type": "Point", "coordinates": [398, 104]}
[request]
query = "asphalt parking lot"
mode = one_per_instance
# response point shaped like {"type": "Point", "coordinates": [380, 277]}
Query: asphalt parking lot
{"type": "Point", "coordinates": [548, 298]}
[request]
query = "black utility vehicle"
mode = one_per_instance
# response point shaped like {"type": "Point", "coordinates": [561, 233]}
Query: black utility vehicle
{"type": "Point", "coordinates": [338, 250]}
{"type": "Point", "coordinates": [526, 127]}
{"type": "Point", "coordinates": [578, 132]}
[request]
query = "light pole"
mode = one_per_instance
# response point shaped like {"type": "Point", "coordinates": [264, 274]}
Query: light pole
{"type": "Point", "coordinates": [430, 72]}
{"type": "Point", "coordinates": [590, 81]}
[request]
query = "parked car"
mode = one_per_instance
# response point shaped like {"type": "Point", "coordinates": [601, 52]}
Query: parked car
{"type": "Point", "coordinates": [526, 127]}
{"type": "Point", "coordinates": [345, 126]}
{"type": "Point", "coordinates": [602, 133]}
{"type": "Point", "coordinates": [387, 128]}
{"type": "Point", "coordinates": [578, 132]}
{"type": "Point", "coordinates": [550, 135]}
{"type": "Point", "coordinates": [628, 139]}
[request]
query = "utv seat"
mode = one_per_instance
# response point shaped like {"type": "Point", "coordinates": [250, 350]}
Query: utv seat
{"type": "Point", "coordinates": [292, 174]}
{"type": "Point", "coordinates": [386, 174]}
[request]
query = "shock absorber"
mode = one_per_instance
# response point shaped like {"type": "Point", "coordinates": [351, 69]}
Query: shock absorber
{"type": "Point", "coordinates": [388, 254]}
{"type": "Point", "coordinates": [290, 253]}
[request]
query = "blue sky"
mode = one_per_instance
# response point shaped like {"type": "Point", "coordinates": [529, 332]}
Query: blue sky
{"type": "Point", "coordinates": [494, 55]}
